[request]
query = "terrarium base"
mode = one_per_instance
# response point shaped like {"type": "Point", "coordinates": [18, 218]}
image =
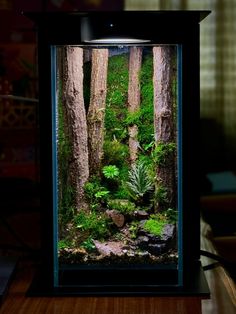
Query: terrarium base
{"type": "Point", "coordinates": [195, 284]}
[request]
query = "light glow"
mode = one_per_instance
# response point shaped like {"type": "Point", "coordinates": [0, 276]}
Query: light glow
{"type": "Point", "coordinates": [117, 41]}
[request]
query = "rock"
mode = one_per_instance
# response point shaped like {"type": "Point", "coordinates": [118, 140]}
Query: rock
{"type": "Point", "coordinates": [141, 224]}
{"type": "Point", "coordinates": [108, 248]}
{"type": "Point", "coordinates": [154, 239]}
{"type": "Point", "coordinates": [142, 242]}
{"type": "Point", "coordinates": [157, 249]}
{"type": "Point", "coordinates": [116, 217]}
{"type": "Point", "coordinates": [141, 214]}
{"type": "Point", "coordinates": [154, 244]}
{"type": "Point", "coordinates": [168, 232]}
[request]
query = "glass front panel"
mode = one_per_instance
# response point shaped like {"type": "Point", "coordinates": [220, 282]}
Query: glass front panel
{"type": "Point", "coordinates": [117, 156]}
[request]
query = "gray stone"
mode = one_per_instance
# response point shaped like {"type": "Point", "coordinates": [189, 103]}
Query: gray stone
{"type": "Point", "coordinates": [157, 249]}
{"type": "Point", "coordinates": [141, 214]}
{"type": "Point", "coordinates": [168, 232]}
{"type": "Point", "coordinates": [108, 248]}
{"type": "Point", "coordinates": [142, 242]}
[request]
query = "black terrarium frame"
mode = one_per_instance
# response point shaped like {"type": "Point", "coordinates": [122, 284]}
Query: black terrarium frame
{"type": "Point", "coordinates": [75, 258]}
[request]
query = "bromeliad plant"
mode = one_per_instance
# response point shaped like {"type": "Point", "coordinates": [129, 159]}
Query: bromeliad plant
{"type": "Point", "coordinates": [140, 183]}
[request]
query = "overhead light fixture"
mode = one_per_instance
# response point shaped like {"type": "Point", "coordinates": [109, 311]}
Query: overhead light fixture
{"type": "Point", "coordinates": [94, 32]}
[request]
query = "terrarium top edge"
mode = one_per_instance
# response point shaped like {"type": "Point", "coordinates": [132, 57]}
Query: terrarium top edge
{"type": "Point", "coordinates": [180, 15]}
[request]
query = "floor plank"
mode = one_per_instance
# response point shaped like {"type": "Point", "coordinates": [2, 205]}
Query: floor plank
{"type": "Point", "coordinates": [222, 287]}
{"type": "Point", "coordinates": [18, 303]}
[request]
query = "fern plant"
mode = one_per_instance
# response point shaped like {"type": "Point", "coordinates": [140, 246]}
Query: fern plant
{"type": "Point", "coordinates": [140, 182]}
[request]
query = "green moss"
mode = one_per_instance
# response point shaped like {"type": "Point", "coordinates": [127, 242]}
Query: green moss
{"type": "Point", "coordinates": [133, 229]}
{"type": "Point", "coordinates": [114, 122]}
{"type": "Point", "coordinates": [147, 67]}
{"type": "Point", "coordinates": [63, 244]}
{"type": "Point", "coordinates": [146, 128]}
{"type": "Point", "coordinates": [66, 192]}
{"type": "Point", "coordinates": [92, 187]}
{"type": "Point", "coordinates": [154, 226]}
{"type": "Point", "coordinates": [94, 223]}
{"type": "Point", "coordinates": [117, 97]}
{"type": "Point", "coordinates": [116, 100]}
{"type": "Point", "coordinates": [123, 206]}
{"type": "Point", "coordinates": [95, 193]}
{"type": "Point", "coordinates": [121, 192]}
{"type": "Point", "coordinates": [172, 215]}
{"type": "Point", "coordinates": [115, 153]}
{"type": "Point", "coordinates": [118, 71]}
{"type": "Point", "coordinates": [88, 244]}
{"type": "Point", "coordinates": [163, 153]}
{"type": "Point", "coordinates": [117, 79]}
{"type": "Point", "coordinates": [133, 118]}
{"type": "Point", "coordinates": [160, 195]}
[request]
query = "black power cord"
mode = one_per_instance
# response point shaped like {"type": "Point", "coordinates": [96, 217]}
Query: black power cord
{"type": "Point", "coordinates": [220, 261]}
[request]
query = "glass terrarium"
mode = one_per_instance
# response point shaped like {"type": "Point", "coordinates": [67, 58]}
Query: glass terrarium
{"type": "Point", "coordinates": [118, 111]}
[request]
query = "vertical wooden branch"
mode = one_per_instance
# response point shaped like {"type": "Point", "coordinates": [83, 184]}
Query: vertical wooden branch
{"type": "Point", "coordinates": [75, 118]}
{"type": "Point", "coordinates": [135, 61]}
{"type": "Point", "coordinates": [163, 117]}
{"type": "Point", "coordinates": [96, 112]}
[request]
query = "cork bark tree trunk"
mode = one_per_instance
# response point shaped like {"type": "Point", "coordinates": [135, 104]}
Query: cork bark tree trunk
{"type": "Point", "coordinates": [135, 62]}
{"type": "Point", "coordinates": [96, 111]}
{"type": "Point", "coordinates": [75, 122]}
{"type": "Point", "coordinates": [163, 74]}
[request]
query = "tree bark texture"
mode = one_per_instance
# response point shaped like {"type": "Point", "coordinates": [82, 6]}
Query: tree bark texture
{"type": "Point", "coordinates": [96, 111]}
{"type": "Point", "coordinates": [163, 116]}
{"type": "Point", "coordinates": [135, 62]}
{"type": "Point", "coordinates": [76, 126]}
{"type": "Point", "coordinates": [62, 130]}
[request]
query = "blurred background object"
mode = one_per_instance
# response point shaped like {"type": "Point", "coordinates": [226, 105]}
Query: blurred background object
{"type": "Point", "coordinates": [217, 77]}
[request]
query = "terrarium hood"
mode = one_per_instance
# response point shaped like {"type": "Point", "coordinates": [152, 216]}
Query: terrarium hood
{"type": "Point", "coordinates": [118, 115]}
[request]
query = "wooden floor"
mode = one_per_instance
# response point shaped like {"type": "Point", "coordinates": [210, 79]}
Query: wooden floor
{"type": "Point", "coordinates": [223, 289]}
{"type": "Point", "coordinates": [223, 297]}
{"type": "Point", "coordinates": [17, 302]}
